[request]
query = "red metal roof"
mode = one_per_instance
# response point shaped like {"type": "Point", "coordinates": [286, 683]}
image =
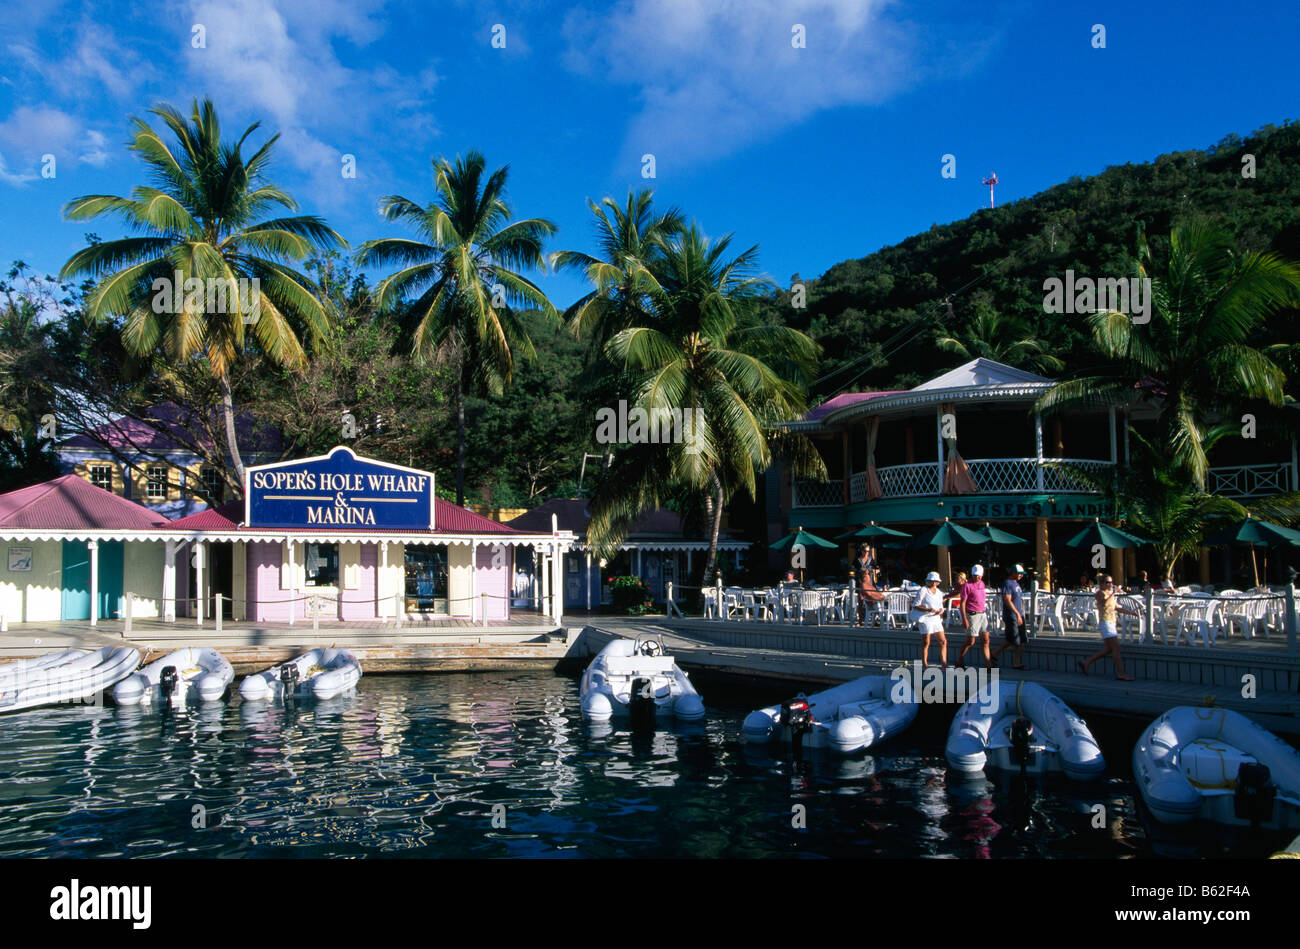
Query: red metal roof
{"type": "Point", "coordinates": [71, 502]}
{"type": "Point", "coordinates": [447, 519]}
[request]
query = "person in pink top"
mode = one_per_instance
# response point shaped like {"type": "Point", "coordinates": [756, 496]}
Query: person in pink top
{"type": "Point", "coordinates": [974, 617]}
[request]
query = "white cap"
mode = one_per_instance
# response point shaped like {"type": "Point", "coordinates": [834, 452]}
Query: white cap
{"type": "Point", "coordinates": [977, 571]}
{"type": "Point", "coordinates": [932, 576]}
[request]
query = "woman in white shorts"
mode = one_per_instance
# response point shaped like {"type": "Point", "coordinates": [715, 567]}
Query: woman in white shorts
{"type": "Point", "coordinates": [1107, 607]}
{"type": "Point", "coordinates": [927, 613]}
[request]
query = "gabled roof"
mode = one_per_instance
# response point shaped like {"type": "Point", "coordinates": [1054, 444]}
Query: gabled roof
{"type": "Point", "coordinates": [71, 503]}
{"type": "Point", "coordinates": [980, 372]}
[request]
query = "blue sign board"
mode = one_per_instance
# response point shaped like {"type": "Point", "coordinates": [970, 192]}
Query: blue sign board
{"type": "Point", "coordinates": [339, 490]}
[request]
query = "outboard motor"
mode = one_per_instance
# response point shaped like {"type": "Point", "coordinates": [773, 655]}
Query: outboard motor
{"type": "Point", "coordinates": [1022, 736]}
{"type": "Point", "coordinates": [1253, 799]}
{"type": "Point", "coordinates": [289, 679]}
{"type": "Point", "coordinates": [796, 715]}
{"type": "Point", "coordinates": [642, 704]}
{"type": "Point", "coordinates": [167, 681]}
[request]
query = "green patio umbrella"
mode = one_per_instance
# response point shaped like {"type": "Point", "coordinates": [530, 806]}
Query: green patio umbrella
{"type": "Point", "coordinates": [871, 530]}
{"type": "Point", "coordinates": [1254, 532]}
{"type": "Point", "coordinates": [802, 536]}
{"type": "Point", "coordinates": [947, 534]}
{"type": "Point", "coordinates": [1099, 533]}
{"type": "Point", "coordinates": [994, 535]}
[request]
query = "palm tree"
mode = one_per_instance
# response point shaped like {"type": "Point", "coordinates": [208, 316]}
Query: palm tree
{"type": "Point", "coordinates": [622, 277]}
{"type": "Point", "coordinates": [696, 358]}
{"type": "Point", "coordinates": [1002, 338]}
{"type": "Point", "coordinates": [203, 221]}
{"type": "Point", "coordinates": [1195, 358]}
{"type": "Point", "coordinates": [461, 267]}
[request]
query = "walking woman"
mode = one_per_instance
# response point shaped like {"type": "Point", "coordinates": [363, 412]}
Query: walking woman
{"type": "Point", "coordinates": [1107, 607]}
{"type": "Point", "coordinates": [927, 609]}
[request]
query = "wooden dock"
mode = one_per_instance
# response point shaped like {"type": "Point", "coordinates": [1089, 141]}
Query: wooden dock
{"type": "Point", "coordinates": [525, 642]}
{"type": "Point", "coordinates": [1248, 677]}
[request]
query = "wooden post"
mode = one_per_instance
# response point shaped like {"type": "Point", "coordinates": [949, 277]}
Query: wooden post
{"type": "Point", "coordinates": [1043, 554]}
{"type": "Point", "coordinates": [1289, 619]}
{"type": "Point", "coordinates": [220, 610]}
{"type": "Point", "coordinates": [1205, 566]}
{"type": "Point", "coordinates": [93, 546]}
{"type": "Point", "coordinates": [399, 608]}
{"type": "Point", "coordinates": [1038, 455]}
{"type": "Point", "coordinates": [128, 610]}
{"type": "Point", "coordinates": [200, 552]}
{"type": "Point", "coordinates": [483, 596]}
{"type": "Point", "coordinates": [722, 607]}
{"type": "Point", "coordinates": [169, 582]}
{"type": "Point", "coordinates": [1149, 612]}
{"type": "Point", "coordinates": [853, 599]}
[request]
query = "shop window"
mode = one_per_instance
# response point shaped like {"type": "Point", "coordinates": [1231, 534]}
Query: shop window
{"type": "Point", "coordinates": [156, 484]}
{"type": "Point", "coordinates": [101, 476]}
{"type": "Point", "coordinates": [322, 565]}
{"type": "Point", "coordinates": [426, 579]}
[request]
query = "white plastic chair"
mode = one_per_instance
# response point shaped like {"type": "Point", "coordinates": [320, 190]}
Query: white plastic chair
{"type": "Point", "coordinates": [751, 607]}
{"type": "Point", "coordinates": [810, 601]}
{"type": "Point", "coordinates": [1051, 614]}
{"type": "Point", "coordinates": [900, 606]}
{"type": "Point", "coordinates": [1132, 627]}
{"type": "Point", "coordinates": [1197, 618]}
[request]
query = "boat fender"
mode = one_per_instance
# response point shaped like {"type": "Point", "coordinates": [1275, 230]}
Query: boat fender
{"type": "Point", "coordinates": [289, 679]}
{"type": "Point", "coordinates": [168, 680]}
{"type": "Point", "coordinates": [1253, 798]}
{"type": "Point", "coordinates": [642, 702]}
{"type": "Point", "coordinates": [1022, 735]}
{"type": "Point", "coordinates": [796, 715]}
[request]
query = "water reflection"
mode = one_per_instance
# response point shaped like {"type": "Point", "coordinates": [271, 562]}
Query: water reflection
{"type": "Point", "coordinates": [503, 765]}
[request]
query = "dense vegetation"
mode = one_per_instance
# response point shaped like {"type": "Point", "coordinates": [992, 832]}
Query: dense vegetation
{"type": "Point", "coordinates": [878, 317]}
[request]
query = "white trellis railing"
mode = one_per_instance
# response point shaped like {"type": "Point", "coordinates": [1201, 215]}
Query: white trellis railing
{"type": "Point", "coordinates": [991, 476]}
{"type": "Point", "coordinates": [1250, 481]}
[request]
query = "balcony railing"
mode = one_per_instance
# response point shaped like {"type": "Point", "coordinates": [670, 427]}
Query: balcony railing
{"type": "Point", "coordinates": [1021, 476]}
{"type": "Point", "coordinates": [991, 475]}
{"type": "Point", "coordinates": [1251, 481]}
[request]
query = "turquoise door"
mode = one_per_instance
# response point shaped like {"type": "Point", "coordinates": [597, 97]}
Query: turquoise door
{"type": "Point", "coordinates": [110, 578]}
{"type": "Point", "coordinates": [76, 579]}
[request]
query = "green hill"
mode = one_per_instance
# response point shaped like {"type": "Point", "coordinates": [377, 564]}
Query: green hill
{"type": "Point", "coordinates": [877, 317]}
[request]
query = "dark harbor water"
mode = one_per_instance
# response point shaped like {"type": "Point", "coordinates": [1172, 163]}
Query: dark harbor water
{"type": "Point", "coordinates": [424, 766]}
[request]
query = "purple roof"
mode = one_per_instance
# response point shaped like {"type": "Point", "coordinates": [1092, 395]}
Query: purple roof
{"type": "Point", "coordinates": [70, 503]}
{"type": "Point", "coordinates": [846, 398]}
{"type": "Point", "coordinates": [161, 431]}
{"type": "Point", "coordinates": [571, 514]}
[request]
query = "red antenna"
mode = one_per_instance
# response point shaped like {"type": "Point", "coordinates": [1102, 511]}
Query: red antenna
{"type": "Point", "coordinates": [991, 180]}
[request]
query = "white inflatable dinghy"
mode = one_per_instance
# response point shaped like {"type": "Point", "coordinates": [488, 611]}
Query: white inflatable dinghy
{"type": "Point", "coordinates": [1022, 724]}
{"type": "Point", "coordinates": [66, 676]}
{"type": "Point", "coordinates": [636, 677]}
{"type": "Point", "coordinates": [319, 673]}
{"type": "Point", "coordinates": [1217, 764]}
{"type": "Point", "coordinates": [846, 718]}
{"type": "Point", "coordinates": [194, 674]}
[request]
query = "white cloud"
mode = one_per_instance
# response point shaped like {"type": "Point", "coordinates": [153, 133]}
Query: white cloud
{"type": "Point", "coordinates": [30, 133]}
{"type": "Point", "coordinates": [716, 75]}
{"type": "Point", "coordinates": [16, 179]}
{"type": "Point", "coordinates": [278, 61]}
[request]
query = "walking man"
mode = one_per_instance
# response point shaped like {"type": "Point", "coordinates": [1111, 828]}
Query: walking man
{"type": "Point", "coordinates": [973, 606]}
{"type": "Point", "coordinates": [1013, 616]}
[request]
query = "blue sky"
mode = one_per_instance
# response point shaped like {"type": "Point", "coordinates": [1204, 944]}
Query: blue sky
{"type": "Point", "coordinates": [817, 154]}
